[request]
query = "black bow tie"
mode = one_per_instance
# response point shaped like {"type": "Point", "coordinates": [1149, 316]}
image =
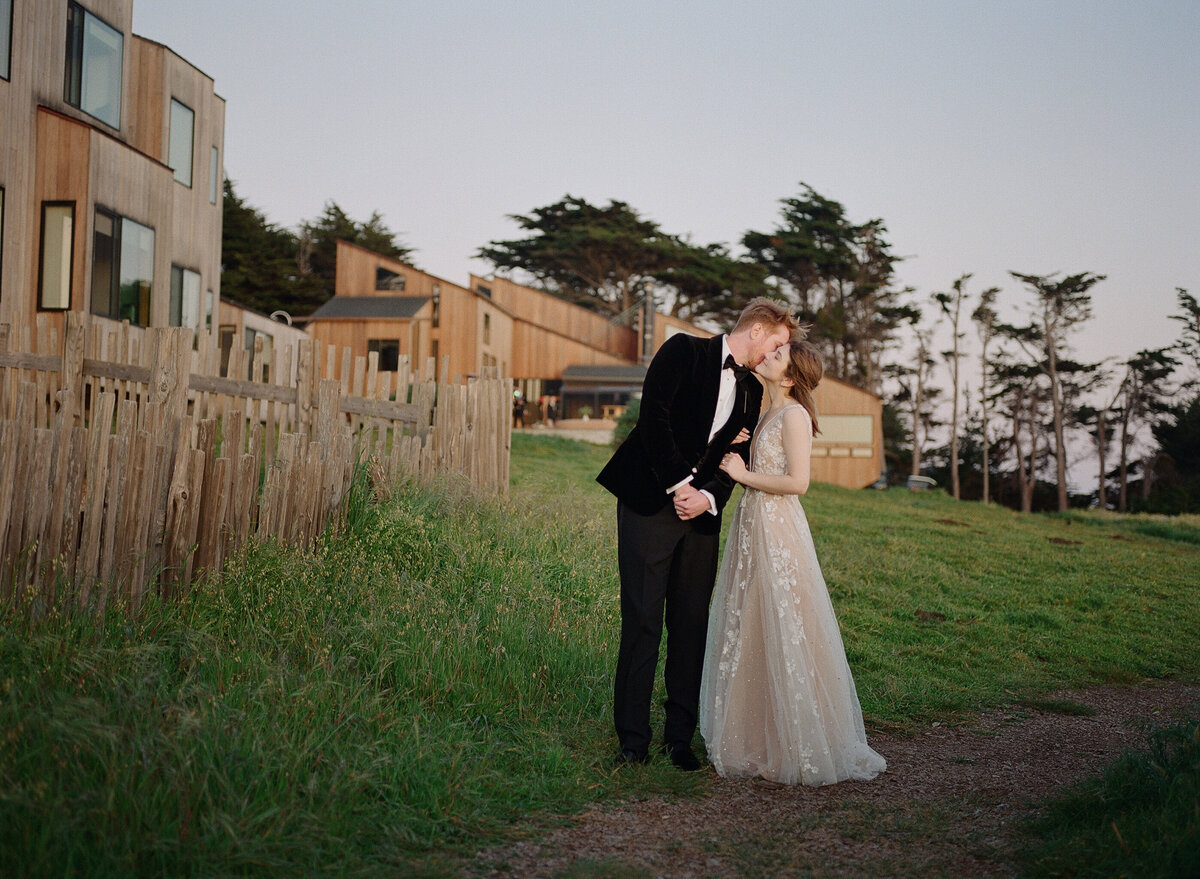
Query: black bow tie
{"type": "Point", "coordinates": [739, 371]}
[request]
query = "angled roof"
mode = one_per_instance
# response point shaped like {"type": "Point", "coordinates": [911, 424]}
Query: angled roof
{"type": "Point", "coordinates": [401, 307]}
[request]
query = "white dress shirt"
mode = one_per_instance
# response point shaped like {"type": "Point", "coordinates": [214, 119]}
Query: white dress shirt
{"type": "Point", "coordinates": [726, 396]}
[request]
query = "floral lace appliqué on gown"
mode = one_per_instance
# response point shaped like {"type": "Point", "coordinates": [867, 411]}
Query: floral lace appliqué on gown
{"type": "Point", "coordinates": [777, 699]}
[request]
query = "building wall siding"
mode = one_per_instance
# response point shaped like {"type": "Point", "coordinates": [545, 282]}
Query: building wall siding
{"type": "Point", "coordinates": [50, 150]}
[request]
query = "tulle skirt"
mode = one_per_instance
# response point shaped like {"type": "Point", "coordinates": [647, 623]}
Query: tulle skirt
{"type": "Point", "coordinates": [777, 699]}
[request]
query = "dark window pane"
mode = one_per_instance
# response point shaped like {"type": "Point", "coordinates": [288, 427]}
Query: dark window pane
{"type": "Point", "coordinates": [104, 254]}
{"type": "Point", "coordinates": [92, 80]}
{"type": "Point", "coordinates": [6, 9]}
{"type": "Point", "coordinates": [136, 272]}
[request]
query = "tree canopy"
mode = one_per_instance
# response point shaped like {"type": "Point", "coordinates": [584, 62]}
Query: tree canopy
{"type": "Point", "coordinates": [598, 257]}
{"type": "Point", "coordinates": [840, 275]}
{"type": "Point", "coordinates": [258, 258]}
{"type": "Point", "coordinates": [708, 282]}
{"type": "Point", "coordinates": [269, 268]}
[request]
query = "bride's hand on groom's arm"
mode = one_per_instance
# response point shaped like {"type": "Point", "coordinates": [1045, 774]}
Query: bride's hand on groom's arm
{"type": "Point", "coordinates": [743, 436]}
{"type": "Point", "coordinates": [733, 464]}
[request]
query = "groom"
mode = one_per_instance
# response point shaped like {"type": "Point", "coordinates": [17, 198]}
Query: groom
{"type": "Point", "coordinates": [697, 396]}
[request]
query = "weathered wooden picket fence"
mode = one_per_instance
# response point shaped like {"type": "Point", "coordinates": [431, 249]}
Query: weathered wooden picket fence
{"type": "Point", "coordinates": [129, 463]}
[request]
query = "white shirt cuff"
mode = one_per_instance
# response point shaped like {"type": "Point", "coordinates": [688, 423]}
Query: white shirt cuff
{"type": "Point", "coordinates": [712, 501]}
{"type": "Point", "coordinates": [678, 485]}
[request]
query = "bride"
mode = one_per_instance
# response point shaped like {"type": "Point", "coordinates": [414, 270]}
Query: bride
{"type": "Point", "coordinates": [777, 699]}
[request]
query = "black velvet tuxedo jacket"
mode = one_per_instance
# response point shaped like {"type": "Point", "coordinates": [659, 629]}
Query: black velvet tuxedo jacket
{"type": "Point", "coordinates": [670, 441]}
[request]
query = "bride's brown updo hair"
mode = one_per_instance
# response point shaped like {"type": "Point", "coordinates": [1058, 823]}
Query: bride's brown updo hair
{"type": "Point", "coordinates": [805, 370]}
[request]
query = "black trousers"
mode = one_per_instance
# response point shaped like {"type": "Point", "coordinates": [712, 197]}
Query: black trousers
{"type": "Point", "coordinates": [667, 572]}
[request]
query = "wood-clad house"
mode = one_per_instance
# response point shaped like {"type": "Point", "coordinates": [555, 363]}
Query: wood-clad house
{"type": "Point", "coordinates": [547, 346]}
{"type": "Point", "coordinates": [111, 149]}
{"type": "Point", "coordinates": [382, 304]}
{"type": "Point", "coordinates": [243, 327]}
{"type": "Point", "coordinates": [551, 334]}
{"type": "Point", "coordinates": [849, 449]}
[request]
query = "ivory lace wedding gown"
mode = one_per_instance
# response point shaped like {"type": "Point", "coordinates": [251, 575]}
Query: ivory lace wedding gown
{"type": "Point", "coordinates": [777, 699]}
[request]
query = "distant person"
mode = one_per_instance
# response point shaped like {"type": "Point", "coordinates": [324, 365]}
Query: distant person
{"type": "Point", "coordinates": [697, 400]}
{"type": "Point", "coordinates": [777, 698]}
{"type": "Point", "coordinates": [551, 410]}
{"type": "Point", "coordinates": [518, 410]}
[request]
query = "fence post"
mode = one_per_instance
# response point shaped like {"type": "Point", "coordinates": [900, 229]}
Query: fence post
{"type": "Point", "coordinates": [169, 380]}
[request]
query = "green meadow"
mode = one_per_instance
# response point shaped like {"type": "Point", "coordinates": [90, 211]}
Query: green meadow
{"type": "Point", "coordinates": [436, 678]}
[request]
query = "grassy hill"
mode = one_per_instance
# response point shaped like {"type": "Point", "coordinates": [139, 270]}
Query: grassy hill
{"type": "Point", "coordinates": [443, 669]}
{"type": "Point", "coordinates": [951, 606]}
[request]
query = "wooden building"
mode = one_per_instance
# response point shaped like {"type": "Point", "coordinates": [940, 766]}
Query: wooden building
{"type": "Point", "coordinates": [111, 149]}
{"type": "Point", "coordinates": [382, 304]}
{"type": "Point", "coordinates": [849, 449]}
{"type": "Point", "coordinates": [547, 346]}
{"type": "Point", "coordinates": [242, 327]}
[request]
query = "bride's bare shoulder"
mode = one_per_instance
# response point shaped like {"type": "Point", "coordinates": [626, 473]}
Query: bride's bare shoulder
{"type": "Point", "coordinates": [796, 417]}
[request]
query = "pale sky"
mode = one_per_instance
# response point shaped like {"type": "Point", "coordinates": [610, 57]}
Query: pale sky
{"type": "Point", "coordinates": [1037, 136]}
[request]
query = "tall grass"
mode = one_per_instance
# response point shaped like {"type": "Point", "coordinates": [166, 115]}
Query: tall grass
{"type": "Point", "coordinates": [413, 688]}
{"type": "Point", "coordinates": [1141, 818]}
{"type": "Point", "coordinates": [420, 683]}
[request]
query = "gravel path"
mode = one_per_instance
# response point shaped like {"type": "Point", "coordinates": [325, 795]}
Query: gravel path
{"type": "Point", "coordinates": [974, 779]}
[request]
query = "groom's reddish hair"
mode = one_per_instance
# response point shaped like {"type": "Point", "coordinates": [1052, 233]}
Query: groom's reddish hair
{"type": "Point", "coordinates": [771, 313]}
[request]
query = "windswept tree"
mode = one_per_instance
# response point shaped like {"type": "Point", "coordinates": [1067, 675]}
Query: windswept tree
{"type": "Point", "coordinates": [1178, 437]}
{"type": "Point", "coordinates": [316, 257]}
{"type": "Point", "coordinates": [1021, 388]}
{"type": "Point", "coordinates": [917, 395]}
{"type": "Point", "coordinates": [258, 258]}
{"type": "Point", "coordinates": [951, 305]}
{"type": "Point", "coordinates": [602, 258]}
{"type": "Point", "coordinates": [269, 268]}
{"type": "Point", "coordinates": [809, 251]}
{"type": "Point", "coordinates": [874, 309]}
{"type": "Point", "coordinates": [985, 318]}
{"type": "Point", "coordinates": [706, 283]}
{"type": "Point", "coordinates": [1099, 420]}
{"type": "Point", "coordinates": [840, 276]}
{"type": "Point", "coordinates": [1144, 398]}
{"type": "Point", "coordinates": [1059, 308]}
{"type": "Point", "coordinates": [1188, 344]}
{"type": "Point", "coordinates": [1178, 430]}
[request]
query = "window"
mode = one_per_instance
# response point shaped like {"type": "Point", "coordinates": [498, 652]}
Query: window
{"type": "Point", "coordinates": [388, 280]}
{"type": "Point", "coordinates": [209, 299]}
{"type": "Point", "coordinates": [389, 353]}
{"type": "Point", "coordinates": [6, 16]}
{"type": "Point", "coordinates": [437, 304]}
{"type": "Point", "coordinates": [214, 176]}
{"type": "Point", "coordinates": [487, 329]}
{"type": "Point", "coordinates": [94, 59]}
{"type": "Point", "coordinates": [225, 336]}
{"type": "Point", "coordinates": [251, 335]}
{"type": "Point", "coordinates": [179, 148]}
{"type": "Point", "coordinates": [185, 298]}
{"type": "Point", "coordinates": [122, 268]}
{"type": "Point", "coordinates": [57, 252]}
{"type": "Point", "coordinates": [483, 290]}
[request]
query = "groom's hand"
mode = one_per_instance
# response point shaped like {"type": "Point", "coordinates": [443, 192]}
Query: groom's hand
{"type": "Point", "coordinates": [689, 502]}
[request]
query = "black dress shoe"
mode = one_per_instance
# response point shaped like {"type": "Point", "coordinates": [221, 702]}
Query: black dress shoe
{"type": "Point", "coordinates": [681, 755]}
{"type": "Point", "coordinates": [630, 757]}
